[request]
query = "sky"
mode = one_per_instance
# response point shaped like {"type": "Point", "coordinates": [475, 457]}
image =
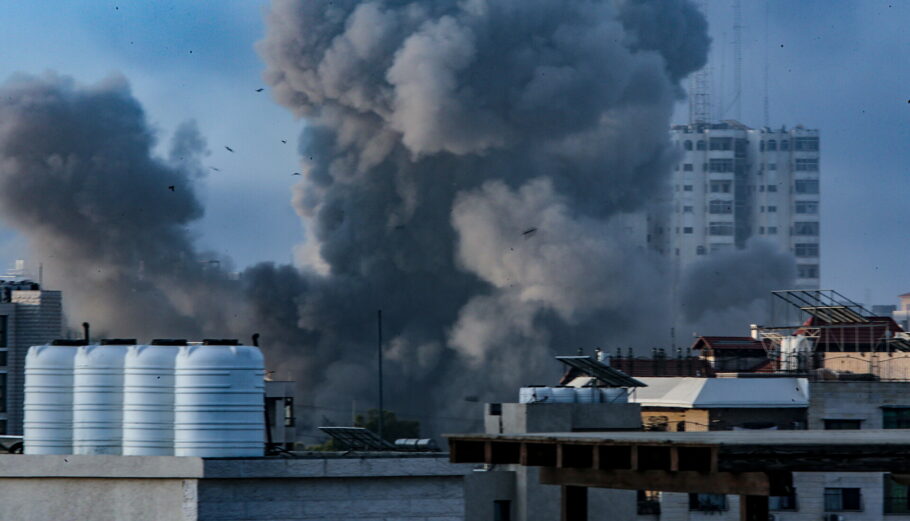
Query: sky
{"type": "Point", "coordinates": [839, 67]}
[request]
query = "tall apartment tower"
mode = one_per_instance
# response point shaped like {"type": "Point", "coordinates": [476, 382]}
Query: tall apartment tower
{"type": "Point", "coordinates": [734, 183]}
{"type": "Point", "coordinates": [28, 316]}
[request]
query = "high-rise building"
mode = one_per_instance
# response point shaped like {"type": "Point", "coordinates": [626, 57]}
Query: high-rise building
{"type": "Point", "coordinates": [734, 183]}
{"type": "Point", "coordinates": [28, 316]}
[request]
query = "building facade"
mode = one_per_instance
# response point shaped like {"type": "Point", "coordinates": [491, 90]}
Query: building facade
{"type": "Point", "coordinates": [28, 316]}
{"type": "Point", "coordinates": [781, 403]}
{"type": "Point", "coordinates": [734, 183]}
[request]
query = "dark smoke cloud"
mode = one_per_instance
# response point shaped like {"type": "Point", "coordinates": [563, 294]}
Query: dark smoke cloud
{"type": "Point", "coordinates": [469, 165]}
{"type": "Point", "coordinates": [728, 291]}
{"type": "Point", "coordinates": [439, 132]}
{"type": "Point", "coordinates": [108, 220]}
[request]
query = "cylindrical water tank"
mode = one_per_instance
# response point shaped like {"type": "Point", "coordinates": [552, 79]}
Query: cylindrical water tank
{"type": "Point", "coordinates": [219, 401]}
{"type": "Point", "coordinates": [148, 400]}
{"type": "Point", "coordinates": [543, 394]}
{"type": "Point", "coordinates": [48, 426]}
{"type": "Point", "coordinates": [534, 394]}
{"type": "Point", "coordinates": [586, 394]}
{"type": "Point", "coordinates": [98, 398]}
{"type": "Point", "coordinates": [614, 394]}
{"type": "Point", "coordinates": [563, 394]}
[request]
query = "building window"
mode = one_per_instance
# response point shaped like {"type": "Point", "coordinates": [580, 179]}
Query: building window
{"type": "Point", "coordinates": [687, 188]}
{"type": "Point", "coordinates": [720, 187]}
{"type": "Point", "coordinates": [721, 143]}
{"type": "Point", "coordinates": [772, 230]}
{"type": "Point", "coordinates": [772, 188]}
{"type": "Point", "coordinates": [806, 186]}
{"type": "Point", "coordinates": [843, 425]}
{"type": "Point", "coordinates": [897, 498]}
{"type": "Point", "coordinates": [842, 499]}
{"type": "Point", "coordinates": [717, 228]}
{"type": "Point", "coordinates": [716, 247]}
{"type": "Point", "coordinates": [805, 250]}
{"type": "Point", "coordinates": [707, 502]}
{"type": "Point", "coordinates": [896, 418]}
{"type": "Point", "coordinates": [3, 393]}
{"type": "Point", "coordinates": [772, 144]}
{"type": "Point", "coordinates": [687, 229]}
{"type": "Point", "coordinates": [648, 502]}
{"type": "Point", "coordinates": [782, 502]}
{"type": "Point", "coordinates": [772, 167]}
{"type": "Point", "coordinates": [502, 510]}
{"type": "Point", "coordinates": [805, 144]}
{"type": "Point", "coordinates": [807, 207]}
{"type": "Point", "coordinates": [699, 250]}
{"type": "Point", "coordinates": [807, 271]}
{"type": "Point", "coordinates": [4, 319]}
{"type": "Point", "coordinates": [688, 144]}
{"type": "Point", "coordinates": [805, 228]}
{"type": "Point", "coordinates": [687, 209]}
{"type": "Point", "coordinates": [807, 165]}
{"type": "Point", "coordinates": [761, 230]}
{"type": "Point", "coordinates": [720, 165]}
{"type": "Point", "coordinates": [784, 144]}
{"type": "Point", "coordinates": [3, 357]}
{"type": "Point", "coordinates": [700, 145]}
{"type": "Point", "coordinates": [687, 167]}
{"type": "Point", "coordinates": [720, 207]}
{"type": "Point", "coordinates": [772, 209]}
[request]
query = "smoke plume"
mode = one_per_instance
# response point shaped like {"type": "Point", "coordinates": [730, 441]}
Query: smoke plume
{"type": "Point", "coordinates": [469, 165]}
{"type": "Point", "coordinates": [467, 162]}
{"type": "Point", "coordinates": [108, 219]}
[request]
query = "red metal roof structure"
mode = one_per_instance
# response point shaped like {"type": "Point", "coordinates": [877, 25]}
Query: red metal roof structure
{"type": "Point", "coordinates": [721, 343]}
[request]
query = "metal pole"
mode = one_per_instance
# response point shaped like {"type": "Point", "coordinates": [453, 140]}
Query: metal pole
{"type": "Point", "coordinates": [379, 351]}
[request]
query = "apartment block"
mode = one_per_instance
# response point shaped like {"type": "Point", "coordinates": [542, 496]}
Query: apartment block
{"type": "Point", "coordinates": [28, 316]}
{"type": "Point", "coordinates": [734, 183]}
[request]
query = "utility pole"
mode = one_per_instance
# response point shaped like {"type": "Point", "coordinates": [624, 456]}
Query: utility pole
{"type": "Point", "coordinates": [379, 352]}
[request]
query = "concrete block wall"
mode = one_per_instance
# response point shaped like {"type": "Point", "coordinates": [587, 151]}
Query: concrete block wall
{"type": "Point", "coordinates": [855, 401]}
{"type": "Point", "coordinates": [38, 320]}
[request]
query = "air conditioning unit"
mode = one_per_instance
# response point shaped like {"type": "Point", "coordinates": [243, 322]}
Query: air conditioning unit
{"type": "Point", "coordinates": [834, 517]}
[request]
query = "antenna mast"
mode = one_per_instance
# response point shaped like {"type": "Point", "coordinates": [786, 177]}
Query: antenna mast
{"type": "Point", "coordinates": [700, 85]}
{"type": "Point", "coordinates": [767, 108]}
{"type": "Point", "coordinates": [737, 58]}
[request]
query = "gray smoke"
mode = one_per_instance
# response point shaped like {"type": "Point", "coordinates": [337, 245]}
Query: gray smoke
{"type": "Point", "coordinates": [728, 291]}
{"type": "Point", "coordinates": [107, 219]}
{"type": "Point", "coordinates": [439, 133]}
{"type": "Point", "coordinates": [469, 168]}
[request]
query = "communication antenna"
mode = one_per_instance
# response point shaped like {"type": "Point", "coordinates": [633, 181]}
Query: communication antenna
{"type": "Point", "coordinates": [700, 84]}
{"type": "Point", "coordinates": [767, 108]}
{"type": "Point", "coordinates": [737, 58]}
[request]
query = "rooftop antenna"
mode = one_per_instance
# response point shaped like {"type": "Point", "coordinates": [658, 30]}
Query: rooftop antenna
{"type": "Point", "coordinates": [737, 58]}
{"type": "Point", "coordinates": [700, 84]}
{"type": "Point", "coordinates": [767, 109]}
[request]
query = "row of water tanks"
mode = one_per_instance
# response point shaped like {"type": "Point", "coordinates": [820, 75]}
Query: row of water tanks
{"type": "Point", "coordinates": [543, 394]}
{"type": "Point", "coordinates": [169, 398]}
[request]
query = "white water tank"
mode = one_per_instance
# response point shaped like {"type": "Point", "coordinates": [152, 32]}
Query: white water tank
{"type": "Point", "coordinates": [534, 394]}
{"type": "Point", "coordinates": [219, 401]}
{"type": "Point", "coordinates": [148, 400]}
{"type": "Point", "coordinates": [614, 395]}
{"type": "Point", "coordinates": [563, 394]}
{"type": "Point", "coordinates": [48, 425]}
{"type": "Point", "coordinates": [586, 394]}
{"type": "Point", "coordinates": [98, 398]}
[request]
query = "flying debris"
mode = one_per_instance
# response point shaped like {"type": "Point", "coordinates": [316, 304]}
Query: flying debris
{"type": "Point", "coordinates": [529, 232]}
{"type": "Point", "coordinates": [215, 169]}
{"type": "Point", "coordinates": [229, 149]}
{"type": "Point", "coordinates": [296, 173]}
{"type": "Point", "coordinates": [285, 141]}
{"type": "Point", "coordinates": [260, 89]}
{"type": "Point", "coordinates": [171, 188]}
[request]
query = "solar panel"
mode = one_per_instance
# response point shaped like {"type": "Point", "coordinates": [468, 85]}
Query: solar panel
{"type": "Point", "coordinates": [604, 373]}
{"type": "Point", "coordinates": [357, 438]}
